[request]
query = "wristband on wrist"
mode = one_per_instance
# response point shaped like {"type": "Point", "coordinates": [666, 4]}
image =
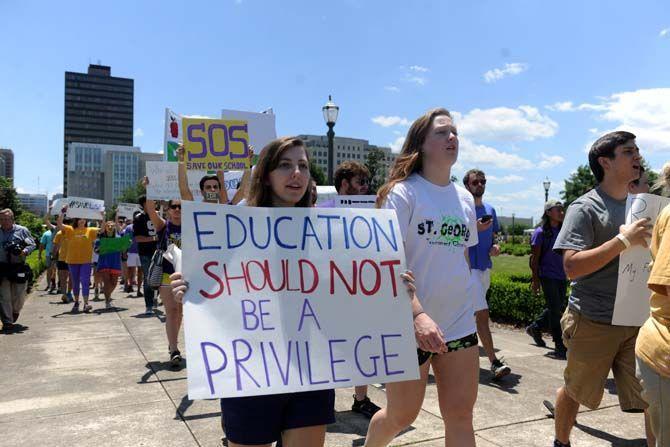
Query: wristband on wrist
{"type": "Point", "coordinates": [414, 316]}
{"type": "Point", "coordinates": [624, 240]}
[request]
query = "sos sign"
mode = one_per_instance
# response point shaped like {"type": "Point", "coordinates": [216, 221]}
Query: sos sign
{"type": "Point", "coordinates": [214, 144]}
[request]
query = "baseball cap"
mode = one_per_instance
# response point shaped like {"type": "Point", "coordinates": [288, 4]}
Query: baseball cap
{"type": "Point", "coordinates": [551, 203]}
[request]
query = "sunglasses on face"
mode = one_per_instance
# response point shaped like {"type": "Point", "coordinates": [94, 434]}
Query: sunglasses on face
{"type": "Point", "coordinates": [478, 182]}
{"type": "Point", "coordinates": [175, 207]}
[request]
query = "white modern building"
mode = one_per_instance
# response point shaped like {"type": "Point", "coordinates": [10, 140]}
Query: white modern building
{"type": "Point", "coordinates": [35, 203]}
{"type": "Point", "coordinates": [354, 149]}
{"type": "Point", "coordinates": [105, 171]}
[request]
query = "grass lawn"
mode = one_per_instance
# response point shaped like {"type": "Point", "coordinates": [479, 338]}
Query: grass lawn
{"type": "Point", "coordinates": [511, 264]}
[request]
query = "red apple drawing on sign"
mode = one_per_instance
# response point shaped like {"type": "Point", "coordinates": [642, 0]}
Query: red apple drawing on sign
{"type": "Point", "coordinates": [174, 128]}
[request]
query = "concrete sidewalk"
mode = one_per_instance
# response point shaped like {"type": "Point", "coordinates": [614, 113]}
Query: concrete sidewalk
{"type": "Point", "coordinates": [102, 379]}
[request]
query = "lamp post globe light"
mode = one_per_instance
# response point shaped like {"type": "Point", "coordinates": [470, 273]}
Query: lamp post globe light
{"type": "Point", "coordinates": [330, 112]}
{"type": "Point", "coordinates": [547, 185]}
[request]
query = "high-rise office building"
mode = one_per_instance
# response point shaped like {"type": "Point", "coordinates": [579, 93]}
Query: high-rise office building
{"type": "Point", "coordinates": [98, 109]}
{"type": "Point", "coordinates": [7, 164]}
{"type": "Point", "coordinates": [35, 203]}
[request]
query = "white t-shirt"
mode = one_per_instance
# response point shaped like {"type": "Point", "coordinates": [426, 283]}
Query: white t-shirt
{"type": "Point", "coordinates": [438, 223]}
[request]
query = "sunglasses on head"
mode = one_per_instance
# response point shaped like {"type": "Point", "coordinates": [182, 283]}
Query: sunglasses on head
{"type": "Point", "coordinates": [175, 207]}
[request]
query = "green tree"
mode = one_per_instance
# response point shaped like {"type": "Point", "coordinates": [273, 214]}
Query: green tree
{"type": "Point", "coordinates": [132, 193]}
{"type": "Point", "coordinates": [652, 177]}
{"type": "Point", "coordinates": [8, 197]}
{"type": "Point", "coordinates": [579, 183]}
{"type": "Point", "coordinates": [32, 222]}
{"type": "Point", "coordinates": [317, 174]}
{"type": "Point", "coordinates": [374, 161]}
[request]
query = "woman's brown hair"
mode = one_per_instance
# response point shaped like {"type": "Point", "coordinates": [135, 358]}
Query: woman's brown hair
{"type": "Point", "coordinates": [410, 159]}
{"type": "Point", "coordinates": [260, 191]}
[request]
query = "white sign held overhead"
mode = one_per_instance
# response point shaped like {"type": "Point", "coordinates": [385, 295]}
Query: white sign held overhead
{"type": "Point", "coordinates": [164, 183]}
{"type": "Point", "coordinates": [631, 307]}
{"type": "Point", "coordinates": [80, 207]}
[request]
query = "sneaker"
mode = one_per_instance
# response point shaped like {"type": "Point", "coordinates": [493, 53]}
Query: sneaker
{"type": "Point", "coordinates": [537, 335]}
{"type": "Point", "coordinates": [175, 358]}
{"type": "Point", "coordinates": [75, 308]}
{"type": "Point", "coordinates": [96, 294]}
{"type": "Point", "coordinates": [500, 369]}
{"type": "Point", "coordinates": [139, 294]}
{"type": "Point", "coordinates": [108, 304]}
{"type": "Point", "coordinates": [560, 354]}
{"type": "Point", "coordinates": [70, 298]}
{"type": "Point", "coordinates": [87, 308]}
{"type": "Point", "coordinates": [365, 407]}
{"type": "Point", "coordinates": [64, 298]}
{"type": "Point", "coordinates": [149, 311]}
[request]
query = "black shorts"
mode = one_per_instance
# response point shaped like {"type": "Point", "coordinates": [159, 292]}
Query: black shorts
{"type": "Point", "coordinates": [454, 345]}
{"type": "Point", "coordinates": [262, 419]}
{"type": "Point", "coordinates": [62, 265]}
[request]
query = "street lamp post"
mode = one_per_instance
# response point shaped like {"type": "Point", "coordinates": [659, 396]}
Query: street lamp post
{"type": "Point", "coordinates": [513, 228]}
{"type": "Point", "coordinates": [330, 112]}
{"type": "Point", "coordinates": [547, 185]}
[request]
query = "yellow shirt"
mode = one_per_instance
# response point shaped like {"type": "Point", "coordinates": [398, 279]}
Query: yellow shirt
{"type": "Point", "coordinates": [62, 246]}
{"type": "Point", "coordinates": [653, 342]}
{"type": "Point", "coordinates": [80, 247]}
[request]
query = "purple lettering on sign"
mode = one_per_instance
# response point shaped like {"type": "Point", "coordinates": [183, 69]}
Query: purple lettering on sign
{"type": "Point", "coordinates": [239, 360]}
{"type": "Point", "coordinates": [372, 357]}
{"type": "Point", "coordinates": [208, 369]}
{"type": "Point", "coordinates": [388, 356]}
{"type": "Point", "coordinates": [333, 361]}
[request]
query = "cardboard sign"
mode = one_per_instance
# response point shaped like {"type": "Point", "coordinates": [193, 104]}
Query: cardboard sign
{"type": "Point", "coordinates": [293, 299]}
{"type": "Point", "coordinates": [173, 134]}
{"type": "Point", "coordinates": [164, 182]}
{"type": "Point", "coordinates": [367, 201]}
{"type": "Point", "coordinates": [127, 210]}
{"type": "Point", "coordinates": [114, 244]}
{"type": "Point", "coordinates": [262, 128]}
{"type": "Point", "coordinates": [631, 307]}
{"type": "Point", "coordinates": [214, 144]}
{"type": "Point", "coordinates": [80, 207]}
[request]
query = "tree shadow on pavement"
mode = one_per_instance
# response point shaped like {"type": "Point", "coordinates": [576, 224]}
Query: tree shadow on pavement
{"type": "Point", "coordinates": [614, 440]}
{"type": "Point", "coordinates": [185, 404]}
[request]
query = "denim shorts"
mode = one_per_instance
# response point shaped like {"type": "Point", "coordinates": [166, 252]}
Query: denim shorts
{"type": "Point", "coordinates": [262, 419]}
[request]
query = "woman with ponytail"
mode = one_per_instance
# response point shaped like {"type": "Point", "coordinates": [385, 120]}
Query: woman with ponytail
{"type": "Point", "coordinates": [652, 349]}
{"type": "Point", "coordinates": [438, 223]}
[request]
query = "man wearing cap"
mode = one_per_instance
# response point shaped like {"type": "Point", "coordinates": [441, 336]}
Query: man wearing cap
{"type": "Point", "coordinates": [548, 274]}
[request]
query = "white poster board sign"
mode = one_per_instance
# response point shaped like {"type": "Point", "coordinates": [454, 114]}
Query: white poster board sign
{"type": "Point", "coordinates": [367, 201]}
{"type": "Point", "coordinates": [164, 183]}
{"type": "Point", "coordinates": [631, 307]}
{"type": "Point", "coordinates": [127, 209]}
{"type": "Point", "coordinates": [261, 126]}
{"type": "Point", "coordinates": [80, 207]}
{"type": "Point", "coordinates": [285, 300]}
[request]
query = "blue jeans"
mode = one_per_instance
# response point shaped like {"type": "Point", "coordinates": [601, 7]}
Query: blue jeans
{"type": "Point", "coordinates": [145, 262]}
{"type": "Point", "coordinates": [555, 294]}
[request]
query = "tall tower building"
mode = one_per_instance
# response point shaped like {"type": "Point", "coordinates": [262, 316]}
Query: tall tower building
{"type": "Point", "coordinates": [98, 109]}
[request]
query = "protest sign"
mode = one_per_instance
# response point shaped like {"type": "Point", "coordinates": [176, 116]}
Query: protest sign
{"type": "Point", "coordinates": [367, 201]}
{"type": "Point", "coordinates": [114, 244]}
{"type": "Point", "coordinates": [164, 182]}
{"type": "Point", "coordinates": [215, 144]}
{"type": "Point", "coordinates": [262, 128]}
{"type": "Point", "coordinates": [293, 299]}
{"type": "Point", "coordinates": [172, 135]}
{"type": "Point", "coordinates": [80, 207]}
{"type": "Point", "coordinates": [127, 210]}
{"type": "Point", "coordinates": [631, 307]}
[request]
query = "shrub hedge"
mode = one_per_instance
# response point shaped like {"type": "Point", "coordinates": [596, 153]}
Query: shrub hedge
{"type": "Point", "coordinates": [511, 300]}
{"type": "Point", "coordinates": [36, 264]}
{"type": "Point", "coordinates": [507, 248]}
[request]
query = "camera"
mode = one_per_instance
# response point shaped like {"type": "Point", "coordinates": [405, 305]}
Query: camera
{"type": "Point", "coordinates": [14, 247]}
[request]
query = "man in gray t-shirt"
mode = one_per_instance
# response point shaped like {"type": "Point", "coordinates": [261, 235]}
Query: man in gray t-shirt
{"type": "Point", "coordinates": [591, 239]}
{"type": "Point", "coordinates": [592, 220]}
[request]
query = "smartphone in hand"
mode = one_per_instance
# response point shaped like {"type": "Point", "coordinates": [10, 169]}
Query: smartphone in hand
{"type": "Point", "coordinates": [485, 218]}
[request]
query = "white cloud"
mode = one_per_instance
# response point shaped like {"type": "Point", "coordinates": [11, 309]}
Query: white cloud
{"type": "Point", "coordinates": [418, 68]}
{"type": "Point", "coordinates": [505, 179]}
{"type": "Point", "coordinates": [524, 123]}
{"type": "Point", "coordinates": [497, 74]}
{"type": "Point", "coordinates": [139, 132]}
{"type": "Point", "coordinates": [419, 80]}
{"type": "Point", "coordinates": [396, 146]}
{"type": "Point", "coordinates": [565, 106]}
{"type": "Point", "coordinates": [645, 112]}
{"type": "Point", "coordinates": [161, 152]}
{"type": "Point", "coordinates": [389, 121]}
{"type": "Point", "coordinates": [550, 161]}
{"type": "Point", "coordinates": [391, 88]}
{"type": "Point", "coordinates": [664, 32]}
{"type": "Point", "coordinates": [473, 154]}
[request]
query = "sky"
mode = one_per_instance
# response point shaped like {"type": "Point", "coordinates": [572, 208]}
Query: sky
{"type": "Point", "coordinates": [531, 83]}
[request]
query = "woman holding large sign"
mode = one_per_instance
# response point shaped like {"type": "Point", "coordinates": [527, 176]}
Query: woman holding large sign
{"type": "Point", "coordinates": [438, 222]}
{"type": "Point", "coordinates": [280, 179]}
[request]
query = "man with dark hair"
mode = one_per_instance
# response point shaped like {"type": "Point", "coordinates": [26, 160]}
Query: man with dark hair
{"type": "Point", "coordinates": [480, 265]}
{"type": "Point", "coordinates": [146, 237]}
{"type": "Point", "coordinates": [211, 186]}
{"type": "Point", "coordinates": [591, 238]}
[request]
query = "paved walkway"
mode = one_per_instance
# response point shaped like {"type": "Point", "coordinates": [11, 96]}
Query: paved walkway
{"type": "Point", "coordinates": [101, 379]}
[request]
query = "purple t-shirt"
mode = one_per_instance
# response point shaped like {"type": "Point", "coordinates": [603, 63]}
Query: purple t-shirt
{"type": "Point", "coordinates": [129, 232]}
{"type": "Point", "coordinates": [479, 254]}
{"type": "Point", "coordinates": [551, 263]}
